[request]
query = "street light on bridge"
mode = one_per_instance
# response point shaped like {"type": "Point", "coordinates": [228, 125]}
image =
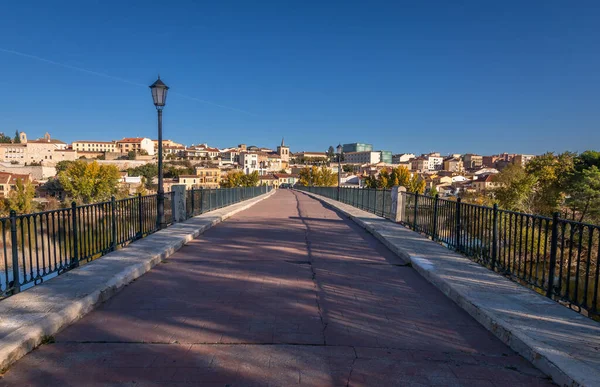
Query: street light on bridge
{"type": "Point", "coordinates": [339, 154]}
{"type": "Point", "coordinates": [159, 95]}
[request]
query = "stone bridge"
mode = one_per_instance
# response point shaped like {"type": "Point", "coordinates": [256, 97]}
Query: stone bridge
{"type": "Point", "coordinates": [285, 292]}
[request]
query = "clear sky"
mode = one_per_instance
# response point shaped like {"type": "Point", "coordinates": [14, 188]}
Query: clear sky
{"type": "Point", "coordinates": [406, 76]}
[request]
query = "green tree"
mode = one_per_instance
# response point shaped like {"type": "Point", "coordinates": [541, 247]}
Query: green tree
{"type": "Point", "coordinates": [4, 139]}
{"type": "Point", "coordinates": [515, 190]}
{"type": "Point", "coordinates": [147, 171]}
{"type": "Point", "coordinates": [131, 155]}
{"type": "Point", "coordinates": [330, 153]}
{"type": "Point", "coordinates": [17, 139]}
{"type": "Point", "coordinates": [433, 191]}
{"type": "Point", "coordinates": [583, 188]}
{"type": "Point", "coordinates": [90, 182]}
{"type": "Point", "coordinates": [20, 199]}
{"type": "Point", "coordinates": [63, 165]}
{"type": "Point", "coordinates": [552, 173]}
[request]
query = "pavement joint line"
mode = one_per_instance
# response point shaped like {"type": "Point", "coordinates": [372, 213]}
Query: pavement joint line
{"type": "Point", "coordinates": [560, 342]}
{"type": "Point", "coordinates": [352, 366]}
{"type": "Point", "coordinates": [310, 264]}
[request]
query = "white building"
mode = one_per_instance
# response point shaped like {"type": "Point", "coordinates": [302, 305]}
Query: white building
{"type": "Point", "coordinates": [249, 163]}
{"type": "Point", "coordinates": [436, 163]}
{"type": "Point", "coordinates": [402, 158]}
{"type": "Point", "coordinates": [362, 157]}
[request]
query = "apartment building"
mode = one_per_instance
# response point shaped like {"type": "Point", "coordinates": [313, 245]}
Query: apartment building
{"type": "Point", "coordinates": [522, 159]}
{"type": "Point", "coordinates": [136, 144]}
{"type": "Point", "coordinates": [472, 161]}
{"type": "Point", "coordinates": [43, 149]}
{"type": "Point", "coordinates": [368, 157]}
{"type": "Point", "coordinates": [419, 164]}
{"type": "Point", "coordinates": [94, 146]}
{"type": "Point", "coordinates": [453, 165]}
{"type": "Point", "coordinates": [204, 178]}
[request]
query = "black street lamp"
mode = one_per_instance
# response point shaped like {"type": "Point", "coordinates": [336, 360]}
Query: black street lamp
{"type": "Point", "coordinates": [159, 95]}
{"type": "Point", "coordinates": [339, 154]}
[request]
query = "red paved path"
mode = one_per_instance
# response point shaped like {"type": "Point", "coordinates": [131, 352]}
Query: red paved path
{"type": "Point", "coordinates": [284, 293]}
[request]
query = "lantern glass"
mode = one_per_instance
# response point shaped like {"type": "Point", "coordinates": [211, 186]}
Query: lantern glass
{"type": "Point", "coordinates": [159, 93]}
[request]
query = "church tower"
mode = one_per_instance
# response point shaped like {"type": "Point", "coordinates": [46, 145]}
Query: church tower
{"type": "Point", "coordinates": [284, 152]}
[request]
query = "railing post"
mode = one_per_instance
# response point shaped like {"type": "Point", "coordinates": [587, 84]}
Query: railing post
{"type": "Point", "coordinates": [415, 211]}
{"type": "Point", "coordinates": [75, 257]}
{"type": "Point", "coordinates": [16, 288]}
{"type": "Point", "coordinates": [495, 236]}
{"type": "Point", "coordinates": [192, 193]}
{"type": "Point", "coordinates": [553, 251]}
{"type": "Point", "coordinates": [435, 217]}
{"type": "Point", "coordinates": [398, 203]}
{"type": "Point", "coordinates": [140, 216]}
{"type": "Point", "coordinates": [458, 225]}
{"type": "Point", "coordinates": [113, 211]}
{"type": "Point", "coordinates": [201, 200]}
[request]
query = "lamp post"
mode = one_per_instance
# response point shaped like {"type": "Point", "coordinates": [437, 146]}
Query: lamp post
{"type": "Point", "coordinates": [159, 95]}
{"type": "Point", "coordinates": [339, 154]}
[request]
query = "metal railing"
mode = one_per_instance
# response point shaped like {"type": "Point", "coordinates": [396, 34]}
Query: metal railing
{"type": "Point", "coordinates": [39, 246]}
{"type": "Point", "coordinates": [554, 256]}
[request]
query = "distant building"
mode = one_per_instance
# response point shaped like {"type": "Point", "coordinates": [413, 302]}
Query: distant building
{"type": "Point", "coordinates": [386, 157]}
{"type": "Point", "coordinates": [472, 161]}
{"type": "Point", "coordinates": [45, 149]}
{"type": "Point", "coordinates": [402, 158]}
{"type": "Point", "coordinates": [94, 146]}
{"type": "Point", "coordinates": [484, 183]}
{"type": "Point", "coordinates": [453, 165]}
{"type": "Point", "coordinates": [249, 162]}
{"type": "Point", "coordinates": [357, 147]}
{"type": "Point", "coordinates": [419, 164]}
{"type": "Point", "coordinates": [366, 157]}
{"type": "Point", "coordinates": [522, 160]}
{"type": "Point", "coordinates": [136, 144]}
{"type": "Point", "coordinates": [284, 153]}
{"type": "Point", "coordinates": [8, 182]}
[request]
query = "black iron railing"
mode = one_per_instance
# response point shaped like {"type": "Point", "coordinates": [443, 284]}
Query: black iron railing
{"type": "Point", "coordinates": [554, 256]}
{"type": "Point", "coordinates": [39, 246]}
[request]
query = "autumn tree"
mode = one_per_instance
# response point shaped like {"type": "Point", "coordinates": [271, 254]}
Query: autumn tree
{"type": "Point", "coordinates": [90, 182]}
{"type": "Point", "coordinates": [20, 199]}
{"type": "Point", "coordinates": [319, 177]}
{"type": "Point", "coordinates": [240, 179]}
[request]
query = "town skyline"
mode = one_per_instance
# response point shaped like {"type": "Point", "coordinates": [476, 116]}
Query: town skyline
{"type": "Point", "coordinates": [273, 144]}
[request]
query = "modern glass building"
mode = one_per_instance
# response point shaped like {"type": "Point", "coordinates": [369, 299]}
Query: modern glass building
{"type": "Point", "coordinates": [386, 157]}
{"type": "Point", "coordinates": [357, 147]}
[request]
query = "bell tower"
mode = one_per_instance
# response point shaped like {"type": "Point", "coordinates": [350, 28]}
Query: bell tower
{"type": "Point", "coordinates": [284, 152]}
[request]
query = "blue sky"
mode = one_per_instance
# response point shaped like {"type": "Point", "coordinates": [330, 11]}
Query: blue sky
{"type": "Point", "coordinates": [419, 76]}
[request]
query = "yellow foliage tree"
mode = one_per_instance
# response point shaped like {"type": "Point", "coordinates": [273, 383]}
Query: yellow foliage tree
{"type": "Point", "coordinates": [20, 199]}
{"type": "Point", "coordinates": [89, 182]}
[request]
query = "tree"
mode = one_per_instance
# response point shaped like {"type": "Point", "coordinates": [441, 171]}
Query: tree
{"type": "Point", "coordinates": [515, 189]}
{"type": "Point", "coordinates": [319, 177]}
{"type": "Point", "coordinates": [90, 182]}
{"type": "Point", "coordinates": [131, 155]}
{"type": "Point", "coordinates": [147, 171]}
{"type": "Point", "coordinates": [283, 170]}
{"type": "Point", "coordinates": [239, 179]}
{"type": "Point", "coordinates": [4, 139]}
{"type": "Point", "coordinates": [63, 165]}
{"type": "Point", "coordinates": [583, 188]}
{"type": "Point", "coordinates": [17, 139]}
{"type": "Point", "coordinates": [348, 168]}
{"type": "Point", "coordinates": [433, 191]}
{"type": "Point", "coordinates": [20, 199]}
{"type": "Point", "coordinates": [552, 174]}
{"type": "Point", "coordinates": [330, 153]}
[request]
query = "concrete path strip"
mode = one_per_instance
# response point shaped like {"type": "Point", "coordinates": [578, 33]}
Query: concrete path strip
{"type": "Point", "coordinates": [33, 316]}
{"type": "Point", "coordinates": [560, 342]}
